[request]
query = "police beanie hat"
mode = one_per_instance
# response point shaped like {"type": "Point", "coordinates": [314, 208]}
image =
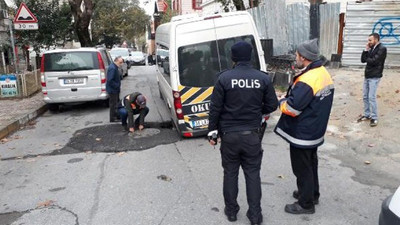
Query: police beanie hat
{"type": "Point", "coordinates": [241, 51]}
{"type": "Point", "coordinates": [309, 49]}
{"type": "Point", "coordinates": [141, 100]}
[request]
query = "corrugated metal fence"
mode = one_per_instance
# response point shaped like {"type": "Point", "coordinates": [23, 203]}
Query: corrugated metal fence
{"type": "Point", "coordinates": [362, 19]}
{"type": "Point", "coordinates": [329, 29]}
{"type": "Point", "coordinates": [298, 19]}
{"type": "Point", "coordinates": [271, 23]}
{"type": "Point", "coordinates": [289, 25]}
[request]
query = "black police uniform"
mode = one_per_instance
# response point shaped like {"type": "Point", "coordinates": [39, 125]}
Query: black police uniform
{"type": "Point", "coordinates": [240, 97]}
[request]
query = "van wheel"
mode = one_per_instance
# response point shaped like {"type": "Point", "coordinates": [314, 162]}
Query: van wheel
{"type": "Point", "coordinates": [53, 107]}
{"type": "Point", "coordinates": [106, 103]}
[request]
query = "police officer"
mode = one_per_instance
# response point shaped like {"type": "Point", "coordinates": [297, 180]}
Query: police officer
{"type": "Point", "coordinates": [240, 98]}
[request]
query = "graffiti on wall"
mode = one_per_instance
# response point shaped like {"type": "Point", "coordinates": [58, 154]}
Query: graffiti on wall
{"type": "Point", "coordinates": [389, 30]}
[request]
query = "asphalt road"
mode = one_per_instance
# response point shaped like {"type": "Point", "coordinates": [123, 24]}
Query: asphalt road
{"type": "Point", "coordinates": [74, 167]}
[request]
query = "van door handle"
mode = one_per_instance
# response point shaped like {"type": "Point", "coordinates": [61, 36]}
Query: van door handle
{"type": "Point", "coordinates": [74, 89]}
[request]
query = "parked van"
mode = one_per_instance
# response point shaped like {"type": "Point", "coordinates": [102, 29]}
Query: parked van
{"type": "Point", "coordinates": [199, 47]}
{"type": "Point", "coordinates": [74, 75]}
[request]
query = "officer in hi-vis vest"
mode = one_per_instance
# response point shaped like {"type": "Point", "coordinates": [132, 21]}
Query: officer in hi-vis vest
{"type": "Point", "coordinates": [240, 98]}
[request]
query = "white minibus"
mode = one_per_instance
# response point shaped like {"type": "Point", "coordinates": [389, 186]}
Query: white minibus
{"type": "Point", "coordinates": [191, 52]}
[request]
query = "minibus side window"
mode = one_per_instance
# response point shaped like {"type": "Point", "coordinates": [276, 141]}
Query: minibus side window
{"type": "Point", "coordinates": [198, 64]}
{"type": "Point", "coordinates": [162, 55]}
{"type": "Point", "coordinates": [224, 48]}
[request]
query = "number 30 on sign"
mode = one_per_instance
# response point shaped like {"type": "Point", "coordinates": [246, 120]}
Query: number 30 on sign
{"type": "Point", "coordinates": [26, 26]}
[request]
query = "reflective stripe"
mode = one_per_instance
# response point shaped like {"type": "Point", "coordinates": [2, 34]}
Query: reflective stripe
{"type": "Point", "coordinates": [287, 109]}
{"type": "Point", "coordinates": [188, 94]}
{"type": "Point", "coordinates": [203, 96]}
{"type": "Point", "coordinates": [299, 141]}
{"type": "Point", "coordinates": [325, 89]}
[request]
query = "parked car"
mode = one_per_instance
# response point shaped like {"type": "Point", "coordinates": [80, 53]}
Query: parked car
{"type": "Point", "coordinates": [138, 57]}
{"type": "Point", "coordinates": [390, 211]}
{"type": "Point", "coordinates": [124, 53]}
{"type": "Point", "coordinates": [74, 75]}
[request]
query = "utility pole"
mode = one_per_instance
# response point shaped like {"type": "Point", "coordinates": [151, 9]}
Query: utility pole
{"type": "Point", "coordinates": [13, 45]}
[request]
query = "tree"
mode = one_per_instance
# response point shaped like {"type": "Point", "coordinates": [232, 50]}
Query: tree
{"type": "Point", "coordinates": [54, 22]}
{"type": "Point", "coordinates": [239, 5]}
{"type": "Point", "coordinates": [115, 21]}
{"type": "Point", "coordinates": [82, 10]}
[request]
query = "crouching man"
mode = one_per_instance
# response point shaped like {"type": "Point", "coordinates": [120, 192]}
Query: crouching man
{"type": "Point", "coordinates": [131, 105]}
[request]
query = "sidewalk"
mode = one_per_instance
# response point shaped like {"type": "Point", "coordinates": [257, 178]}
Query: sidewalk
{"type": "Point", "coordinates": [15, 113]}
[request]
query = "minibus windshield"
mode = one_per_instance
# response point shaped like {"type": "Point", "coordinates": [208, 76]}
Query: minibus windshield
{"type": "Point", "coordinates": [200, 63]}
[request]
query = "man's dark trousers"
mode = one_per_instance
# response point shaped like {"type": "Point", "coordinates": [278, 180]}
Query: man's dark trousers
{"type": "Point", "coordinates": [242, 149]}
{"type": "Point", "coordinates": [113, 102]}
{"type": "Point", "coordinates": [124, 115]}
{"type": "Point", "coordinates": [305, 168]}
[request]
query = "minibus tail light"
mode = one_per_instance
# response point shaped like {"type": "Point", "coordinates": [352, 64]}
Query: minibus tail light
{"type": "Point", "coordinates": [188, 134]}
{"type": "Point", "coordinates": [178, 105]}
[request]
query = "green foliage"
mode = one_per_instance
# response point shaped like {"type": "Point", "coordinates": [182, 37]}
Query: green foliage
{"type": "Point", "coordinates": [118, 21]}
{"type": "Point", "coordinates": [239, 5]}
{"type": "Point", "coordinates": [54, 24]}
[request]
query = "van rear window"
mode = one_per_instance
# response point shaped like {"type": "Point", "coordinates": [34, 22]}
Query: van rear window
{"type": "Point", "coordinates": [200, 63]}
{"type": "Point", "coordinates": [70, 61]}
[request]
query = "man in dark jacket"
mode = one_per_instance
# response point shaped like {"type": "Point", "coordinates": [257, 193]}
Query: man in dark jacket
{"type": "Point", "coordinates": [130, 105]}
{"type": "Point", "coordinates": [240, 98]}
{"type": "Point", "coordinates": [305, 114]}
{"type": "Point", "coordinates": [374, 55]}
{"type": "Point", "coordinates": [113, 87]}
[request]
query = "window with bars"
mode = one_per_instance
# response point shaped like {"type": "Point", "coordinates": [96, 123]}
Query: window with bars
{"type": "Point", "coordinates": [196, 4]}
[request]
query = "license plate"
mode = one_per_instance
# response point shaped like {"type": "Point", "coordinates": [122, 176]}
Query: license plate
{"type": "Point", "coordinates": [199, 123]}
{"type": "Point", "coordinates": [73, 81]}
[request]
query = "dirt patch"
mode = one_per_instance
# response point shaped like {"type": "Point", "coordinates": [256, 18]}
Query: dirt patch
{"type": "Point", "coordinates": [358, 142]}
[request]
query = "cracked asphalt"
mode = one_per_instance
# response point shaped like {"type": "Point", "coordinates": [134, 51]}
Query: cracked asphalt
{"type": "Point", "coordinates": [74, 167]}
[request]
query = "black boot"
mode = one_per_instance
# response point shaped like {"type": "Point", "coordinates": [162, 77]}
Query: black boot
{"type": "Point", "coordinates": [296, 208]}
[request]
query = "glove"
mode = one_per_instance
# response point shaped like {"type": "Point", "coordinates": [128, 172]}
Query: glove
{"type": "Point", "coordinates": [213, 135]}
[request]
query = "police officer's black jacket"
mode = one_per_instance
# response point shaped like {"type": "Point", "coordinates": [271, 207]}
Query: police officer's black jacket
{"type": "Point", "coordinates": [239, 99]}
{"type": "Point", "coordinates": [375, 59]}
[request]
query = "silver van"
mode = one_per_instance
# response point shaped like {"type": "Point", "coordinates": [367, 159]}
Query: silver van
{"type": "Point", "coordinates": [74, 75]}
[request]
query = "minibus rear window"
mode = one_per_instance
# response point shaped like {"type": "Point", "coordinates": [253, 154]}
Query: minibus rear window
{"type": "Point", "coordinates": [71, 61]}
{"type": "Point", "coordinates": [200, 63]}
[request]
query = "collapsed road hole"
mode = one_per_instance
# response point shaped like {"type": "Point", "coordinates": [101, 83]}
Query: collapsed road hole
{"type": "Point", "coordinates": [10, 217]}
{"type": "Point", "coordinates": [53, 213]}
{"type": "Point", "coordinates": [113, 138]}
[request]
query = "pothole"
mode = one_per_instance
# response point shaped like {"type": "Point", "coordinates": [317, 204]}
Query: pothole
{"type": "Point", "coordinates": [113, 138]}
{"type": "Point", "coordinates": [45, 216]}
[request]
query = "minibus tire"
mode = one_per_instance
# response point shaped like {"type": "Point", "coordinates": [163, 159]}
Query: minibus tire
{"type": "Point", "coordinates": [53, 107]}
{"type": "Point", "coordinates": [106, 103]}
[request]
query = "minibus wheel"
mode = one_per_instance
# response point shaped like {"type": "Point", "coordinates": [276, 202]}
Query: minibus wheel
{"type": "Point", "coordinates": [53, 107]}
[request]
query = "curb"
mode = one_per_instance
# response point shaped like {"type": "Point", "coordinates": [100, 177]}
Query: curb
{"type": "Point", "coordinates": [16, 125]}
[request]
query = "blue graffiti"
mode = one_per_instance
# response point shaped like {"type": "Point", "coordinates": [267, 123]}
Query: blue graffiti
{"type": "Point", "coordinates": [389, 30]}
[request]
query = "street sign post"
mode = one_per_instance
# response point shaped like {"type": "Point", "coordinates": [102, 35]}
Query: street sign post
{"type": "Point", "coordinates": [24, 19]}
